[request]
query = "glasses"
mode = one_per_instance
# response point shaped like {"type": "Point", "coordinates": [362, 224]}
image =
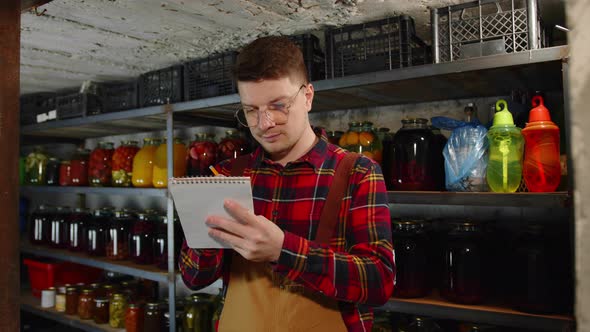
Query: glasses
{"type": "Point", "coordinates": [277, 112]}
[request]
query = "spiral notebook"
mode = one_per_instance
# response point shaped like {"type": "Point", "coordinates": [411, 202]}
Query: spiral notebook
{"type": "Point", "coordinates": [195, 198]}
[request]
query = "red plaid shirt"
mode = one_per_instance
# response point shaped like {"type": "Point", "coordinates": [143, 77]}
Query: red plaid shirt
{"type": "Point", "coordinates": [358, 265]}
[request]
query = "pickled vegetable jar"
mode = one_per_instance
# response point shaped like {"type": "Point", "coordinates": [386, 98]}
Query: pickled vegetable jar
{"type": "Point", "coordinates": [198, 313]}
{"type": "Point", "coordinates": [123, 163]}
{"type": "Point", "coordinates": [141, 239]}
{"type": "Point", "coordinates": [361, 138]}
{"type": "Point", "coordinates": [202, 153]}
{"type": "Point", "coordinates": [134, 318]}
{"type": "Point", "coordinates": [231, 146]}
{"type": "Point", "coordinates": [160, 177]}
{"type": "Point", "coordinates": [35, 167]}
{"type": "Point", "coordinates": [117, 310]}
{"type": "Point", "coordinates": [118, 236]}
{"type": "Point", "coordinates": [77, 228]}
{"type": "Point", "coordinates": [79, 168]}
{"type": "Point", "coordinates": [100, 165]}
{"type": "Point", "coordinates": [143, 163]}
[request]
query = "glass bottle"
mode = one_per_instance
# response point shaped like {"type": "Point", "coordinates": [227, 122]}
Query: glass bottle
{"type": "Point", "coordinates": [65, 173]}
{"type": "Point", "coordinates": [202, 153]}
{"type": "Point", "coordinates": [79, 167]}
{"type": "Point", "coordinates": [97, 231]}
{"type": "Point", "coordinates": [86, 304]}
{"type": "Point", "coordinates": [100, 165]}
{"type": "Point", "coordinates": [77, 231]}
{"type": "Point", "coordinates": [411, 256]}
{"type": "Point", "coordinates": [123, 163]}
{"type": "Point", "coordinates": [141, 239]}
{"type": "Point", "coordinates": [101, 310]}
{"type": "Point", "coordinates": [52, 172]}
{"type": "Point", "coordinates": [35, 167]}
{"type": "Point", "coordinates": [231, 146]}
{"type": "Point", "coordinates": [117, 247]}
{"type": "Point", "coordinates": [59, 228]}
{"type": "Point", "coordinates": [117, 309]}
{"type": "Point", "coordinates": [160, 177]}
{"type": "Point", "coordinates": [40, 219]}
{"type": "Point", "coordinates": [414, 163]}
{"type": "Point", "coordinates": [143, 163]}
{"type": "Point", "coordinates": [152, 321]}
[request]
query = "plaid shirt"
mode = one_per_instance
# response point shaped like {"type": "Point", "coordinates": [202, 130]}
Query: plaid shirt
{"type": "Point", "coordinates": [358, 265]}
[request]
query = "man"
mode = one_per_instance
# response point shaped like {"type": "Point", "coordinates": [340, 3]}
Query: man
{"type": "Point", "coordinates": [278, 276]}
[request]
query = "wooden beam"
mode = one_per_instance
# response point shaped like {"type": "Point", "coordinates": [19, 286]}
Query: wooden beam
{"type": "Point", "coordinates": [28, 4]}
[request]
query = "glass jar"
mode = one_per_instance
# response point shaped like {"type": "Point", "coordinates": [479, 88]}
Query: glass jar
{"type": "Point", "coordinates": [123, 163]}
{"type": "Point", "coordinates": [386, 138]}
{"type": "Point", "coordinates": [160, 176]}
{"type": "Point", "coordinates": [197, 313]}
{"type": "Point", "coordinates": [101, 310]}
{"type": "Point", "coordinates": [86, 304]}
{"type": "Point", "coordinates": [35, 167]}
{"type": "Point", "coordinates": [411, 256]}
{"type": "Point", "coordinates": [52, 172]}
{"type": "Point", "coordinates": [60, 301]}
{"type": "Point", "coordinates": [117, 247]}
{"type": "Point", "coordinates": [161, 240]}
{"type": "Point", "coordinates": [463, 278]}
{"type": "Point", "coordinates": [77, 229]}
{"type": "Point", "coordinates": [202, 153]}
{"type": "Point", "coordinates": [100, 165]}
{"type": "Point", "coordinates": [334, 136]}
{"type": "Point", "coordinates": [97, 231]}
{"type": "Point", "coordinates": [361, 138]}
{"type": "Point", "coordinates": [109, 290]}
{"type": "Point", "coordinates": [59, 228]}
{"type": "Point", "coordinates": [141, 239]}
{"type": "Point", "coordinates": [143, 163]}
{"type": "Point", "coordinates": [71, 300]}
{"type": "Point", "coordinates": [117, 310]}
{"type": "Point", "coordinates": [152, 320]}
{"type": "Point", "coordinates": [65, 173]}
{"type": "Point", "coordinates": [414, 165]}
{"type": "Point", "coordinates": [40, 219]}
{"type": "Point", "coordinates": [134, 318]}
{"type": "Point", "coordinates": [79, 168]}
{"type": "Point", "coordinates": [97, 289]}
{"type": "Point", "coordinates": [232, 146]}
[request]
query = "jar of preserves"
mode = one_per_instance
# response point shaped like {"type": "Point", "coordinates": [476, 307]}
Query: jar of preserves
{"type": "Point", "coordinates": [100, 165]}
{"type": "Point", "coordinates": [65, 173]}
{"type": "Point", "coordinates": [463, 278]}
{"type": "Point", "coordinates": [86, 304]}
{"type": "Point", "coordinates": [35, 167]}
{"type": "Point", "coordinates": [97, 232]}
{"type": "Point", "coordinates": [117, 309]}
{"type": "Point", "coordinates": [60, 301]}
{"type": "Point", "coordinates": [71, 300]}
{"type": "Point", "coordinates": [101, 310]}
{"type": "Point", "coordinates": [59, 228]}
{"type": "Point", "coordinates": [40, 219]}
{"type": "Point", "coordinates": [152, 321]}
{"type": "Point", "coordinates": [118, 236]}
{"type": "Point", "coordinates": [197, 313]}
{"type": "Point", "coordinates": [141, 246]}
{"type": "Point", "coordinates": [411, 256]}
{"type": "Point", "coordinates": [160, 176]}
{"type": "Point", "coordinates": [129, 288]}
{"type": "Point", "coordinates": [232, 146]}
{"type": "Point", "coordinates": [360, 138]}
{"type": "Point", "coordinates": [123, 163]}
{"type": "Point", "coordinates": [414, 166]}
{"type": "Point", "coordinates": [143, 163]}
{"type": "Point", "coordinates": [202, 153]}
{"type": "Point", "coordinates": [79, 168]}
{"type": "Point", "coordinates": [77, 229]}
{"type": "Point", "coordinates": [161, 241]}
{"type": "Point", "coordinates": [52, 172]}
{"type": "Point", "coordinates": [134, 318]}
{"type": "Point", "coordinates": [334, 136]}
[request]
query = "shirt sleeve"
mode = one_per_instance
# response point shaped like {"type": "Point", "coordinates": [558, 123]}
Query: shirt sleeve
{"type": "Point", "coordinates": [200, 267]}
{"type": "Point", "coordinates": [364, 272]}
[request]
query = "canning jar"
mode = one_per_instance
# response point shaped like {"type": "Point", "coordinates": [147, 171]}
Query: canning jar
{"type": "Point", "coordinates": [361, 138]}
{"type": "Point", "coordinates": [160, 176]}
{"type": "Point", "coordinates": [123, 163]}
{"type": "Point", "coordinates": [97, 232]}
{"type": "Point", "coordinates": [202, 153]}
{"type": "Point", "coordinates": [414, 163]}
{"type": "Point", "coordinates": [71, 300]}
{"type": "Point", "coordinates": [143, 163]}
{"type": "Point", "coordinates": [161, 241]}
{"type": "Point", "coordinates": [65, 173]}
{"type": "Point", "coordinates": [35, 167]}
{"type": "Point", "coordinates": [79, 168]}
{"type": "Point", "coordinates": [334, 136]}
{"type": "Point", "coordinates": [86, 304]}
{"type": "Point", "coordinates": [411, 256]}
{"type": "Point", "coordinates": [100, 165]}
{"type": "Point", "coordinates": [77, 229]}
{"type": "Point", "coordinates": [117, 247]}
{"type": "Point", "coordinates": [134, 318]}
{"type": "Point", "coordinates": [231, 146]}
{"type": "Point", "coordinates": [117, 310]}
{"type": "Point", "coordinates": [101, 310]}
{"type": "Point", "coordinates": [59, 227]}
{"type": "Point", "coordinates": [141, 239]}
{"type": "Point", "coordinates": [197, 313]}
{"type": "Point", "coordinates": [40, 219]}
{"type": "Point", "coordinates": [52, 172]}
{"type": "Point", "coordinates": [152, 321]}
{"type": "Point", "coordinates": [60, 301]}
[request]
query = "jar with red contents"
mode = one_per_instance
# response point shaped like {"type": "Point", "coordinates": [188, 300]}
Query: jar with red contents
{"type": "Point", "coordinates": [134, 318]}
{"type": "Point", "coordinates": [202, 153]}
{"type": "Point", "coordinates": [161, 242]}
{"type": "Point", "coordinates": [141, 239]}
{"type": "Point", "coordinates": [100, 165]}
{"type": "Point", "coordinates": [97, 232]}
{"type": "Point", "coordinates": [79, 168]}
{"type": "Point", "coordinates": [65, 173]}
{"type": "Point", "coordinates": [117, 247]}
{"type": "Point", "coordinates": [59, 227]}
{"type": "Point", "coordinates": [231, 146]}
{"type": "Point", "coordinates": [40, 219]}
{"type": "Point", "coordinates": [123, 163]}
{"type": "Point", "coordinates": [77, 227]}
{"type": "Point", "coordinates": [411, 256]}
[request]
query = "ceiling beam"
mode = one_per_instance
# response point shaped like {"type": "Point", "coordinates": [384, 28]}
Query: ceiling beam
{"type": "Point", "coordinates": [28, 4]}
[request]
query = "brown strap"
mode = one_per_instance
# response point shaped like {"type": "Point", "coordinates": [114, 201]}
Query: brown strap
{"type": "Point", "coordinates": [329, 216]}
{"type": "Point", "coordinates": [239, 165]}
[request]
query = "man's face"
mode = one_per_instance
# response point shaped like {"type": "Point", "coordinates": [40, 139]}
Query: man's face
{"type": "Point", "coordinates": [277, 131]}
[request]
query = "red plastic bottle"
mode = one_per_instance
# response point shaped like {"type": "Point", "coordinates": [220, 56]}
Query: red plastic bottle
{"type": "Point", "coordinates": [541, 169]}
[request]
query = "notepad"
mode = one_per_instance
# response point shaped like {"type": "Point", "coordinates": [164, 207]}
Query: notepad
{"type": "Point", "coordinates": [195, 198]}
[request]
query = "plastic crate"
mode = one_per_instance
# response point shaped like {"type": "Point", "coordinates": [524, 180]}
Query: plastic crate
{"type": "Point", "coordinates": [34, 104]}
{"type": "Point", "coordinates": [313, 56]}
{"type": "Point", "coordinates": [210, 76]}
{"type": "Point", "coordinates": [485, 27]}
{"type": "Point", "coordinates": [78, 105]}
{"type": "Point", "coordinates": [160, 86]}
{"type": "Point", "coordinates": [374, 46]}
{"type": "Point", "coordinates": [119, 96]}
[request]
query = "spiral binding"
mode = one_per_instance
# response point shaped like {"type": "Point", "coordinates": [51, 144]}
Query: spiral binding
{"type": "Point", "coordinates": [211, 179]}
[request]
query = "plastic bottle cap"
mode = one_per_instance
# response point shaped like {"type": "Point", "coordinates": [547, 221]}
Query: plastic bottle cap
{"type": "Point", "coordinates": [503, 117]}
{"type": "Point", "coordinates": [539, 111]}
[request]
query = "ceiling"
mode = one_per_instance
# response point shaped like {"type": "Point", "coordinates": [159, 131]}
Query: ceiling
{"type": "Point", "coordinates": [67, 42]}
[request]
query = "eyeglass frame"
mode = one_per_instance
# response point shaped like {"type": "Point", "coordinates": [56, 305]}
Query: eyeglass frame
{"type": "Point", "coordinates": [268, 109]}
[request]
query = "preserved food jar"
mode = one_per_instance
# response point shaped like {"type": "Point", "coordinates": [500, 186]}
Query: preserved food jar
{"type": "Point", "coordinates": [71, 300]}
{"type": "Point", "coordinates": [198, 313]}
{"type": "Point", "coordinates": [59, 228]}
{"type": "Point", "coordinates": [118, 236]}
{"type": "Point", "coordinates": [361, 138]}
{"type": "Point", "coordinates": [117, 310]}
{"type": "Point", "coordinates": [60, 301]}
{"type": "Point", "coordinates": [411, 256]}
{"type": "Point", "coordinates": [40, 219]}
{"type": "Point", "coordinates": [152, 321]}
{"type": "Point", "coordinates": [35, 167]}
{"type": "Point", "coordinates": [334, 136]}
{"type": "Point", "coordinates": [123, 163]}
{"type": "Point", "coordinates": [161, 241]}
{"type": "Point", "coordinates": [52, 172]}
{"type": "Point", "coordinates": [100, 165]}
{"type": "Point", "coordinates": [97, 232]}
{"type": "Point", "coordinates": [463, 278]}
{"type": "Point", "coordinates": [414, 166]}
{"type": "Point", "coordinates": [86, 304]}
{"type": "Point", "coordinates": [232, 146]}
{"type": "Point", "coordinates": [77, 229]}
{"type": "Point", "coordinates": [160, 177]}
{"type": "Point", "coordinates": [143, 163]}
{"type": "Point", "coordinates": [134, 318]}
{"type": "Point", "coordinates": [141, 239]}
{"type": "Point", "coordinates": [65, 173]}
{"type": "Point", "coordinates": [101, 310]}
{"type": "Point", "coordinates": [202, 153]}
{"type": "Point", "coordinates": [79, 168]}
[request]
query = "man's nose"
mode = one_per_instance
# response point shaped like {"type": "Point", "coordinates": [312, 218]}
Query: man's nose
{"type": "Point", "coordinates": [265, 120]}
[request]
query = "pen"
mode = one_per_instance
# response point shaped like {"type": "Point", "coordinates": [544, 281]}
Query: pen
{"type": "Point", "coordinates": [215, 172]}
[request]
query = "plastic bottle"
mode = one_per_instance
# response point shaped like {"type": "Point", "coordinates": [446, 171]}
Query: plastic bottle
{"type": "Point", "coordinates": [541, 167]}
{"type": "Point", "coordinates": [506, 146]}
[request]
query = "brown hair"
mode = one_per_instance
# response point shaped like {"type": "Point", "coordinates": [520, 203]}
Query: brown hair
{"type": "Point", "coordinates": [270, 58]}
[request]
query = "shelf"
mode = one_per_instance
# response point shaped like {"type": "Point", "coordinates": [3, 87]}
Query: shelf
{"type": "Point", "coordinates": [142, 271]}
{"type": "Point", "coordinates": [525, 199]}
{"type": "Point", "coordinates": [436, 307]}
{"type": "Point", "coordinates": [145, 192]}
{"type": "Point", "coordinates": [532, 70]}
{"type": "Point", "coordinates": [32, 304]}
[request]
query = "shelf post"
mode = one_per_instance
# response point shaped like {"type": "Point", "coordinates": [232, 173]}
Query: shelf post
{"type": "Point", "coordinates": [170, 215]}
{"type": "Point", "coordinates": [9, 146]}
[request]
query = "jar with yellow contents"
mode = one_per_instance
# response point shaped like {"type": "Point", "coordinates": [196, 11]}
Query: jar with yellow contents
{"type": "Point", "coordinates": [361, 138]}
{"type": "Point", "coordinates": [143, 163]}
{"type": "Point", "coordinates": [117, 309]}
{"type": "Point", "coordinates": [160, 175]}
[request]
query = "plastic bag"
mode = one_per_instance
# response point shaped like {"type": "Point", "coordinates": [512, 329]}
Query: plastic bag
{"type": "Point", "coordinates": [466, 154]}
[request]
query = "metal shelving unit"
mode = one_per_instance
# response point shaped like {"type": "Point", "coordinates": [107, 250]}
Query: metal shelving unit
{"type": "Point", "coordinates": [523, 199]}
{"type": "Point", "coordinates": [145, 192]}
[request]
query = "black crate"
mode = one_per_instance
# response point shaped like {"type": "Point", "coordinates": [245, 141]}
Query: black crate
{"type": "Point", "coordinates": [119, 96]}
{"type": "Point", "coordinates": [312, 55]}
{"type": "Point", "coordinates": [78, 105]}
{"type": "Point", "coordinates": [210, 76]}
{"type": "Point", "coordinates": [374, 46]}
{"type": "Point", "coordinates": [34, 104]}
{"type": "Point", "coordinates": [160, 86]}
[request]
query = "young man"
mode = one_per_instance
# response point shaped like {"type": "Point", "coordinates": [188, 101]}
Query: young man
{"type": "Point", "coordinates": [278, 276]}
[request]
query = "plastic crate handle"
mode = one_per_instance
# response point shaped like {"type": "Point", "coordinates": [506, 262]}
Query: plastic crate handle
{"type": "Point", "coordinates": [499, 10]}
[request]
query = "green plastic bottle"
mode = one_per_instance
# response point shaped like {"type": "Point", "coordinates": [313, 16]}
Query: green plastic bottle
{"type": "Point", "coordinates": [506, 148]}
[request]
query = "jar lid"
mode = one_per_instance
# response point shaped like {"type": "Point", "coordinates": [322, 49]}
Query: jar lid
{"type": "Point", "coordinates": [367, 123]}
{"type": "Point", "coordinates": [354, 124]}
{"type": "Point", "coordinates": [87, 291]}
{"type": "Point", "coordinates": [63, 162]}
{"type": "Point", "coordinates": [201, 135]}
{"type": "Point", "coordinates": [108, 286]}
{"type": "Point", "coordinates": [408, 225]}
{"type": "Point", "coordinates": [383, 130]}
{"type": "Point", "coordinates": [152, 305]}
{"type": "Point", "coordinates": [133, 305]}
{"type": "Point", "coordinates": [101, 300]}
{"type": "Point", "coordinates": [118, 296]}
{"type": "Point", "coordinates": [95, 285]}
{"type": "Point", "coordinates": [105, 144]}
{"type": "Point", "coordinates": [414, 120]}
{"type": "Point", "coordinates": [122, 214]}
{"type": "Point", "coordinates": [71, 289]}
{"type": "Point", "coordinates": [80, 209]}
{"type": "Point", "coordinates": [129, 142]}
{"type": "Point", "coordinates": [53, 159]}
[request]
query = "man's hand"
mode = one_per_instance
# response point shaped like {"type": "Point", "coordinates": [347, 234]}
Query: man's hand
{"type": "Point", "coordinates": [254, 237]}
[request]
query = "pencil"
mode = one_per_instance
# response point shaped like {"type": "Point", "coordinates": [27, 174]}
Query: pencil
{"type": "Point", "coordinates": [215, 172]}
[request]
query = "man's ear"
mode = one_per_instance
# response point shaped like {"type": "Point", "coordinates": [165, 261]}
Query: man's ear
{"type": "Point", "coordinates": [309, 94]}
